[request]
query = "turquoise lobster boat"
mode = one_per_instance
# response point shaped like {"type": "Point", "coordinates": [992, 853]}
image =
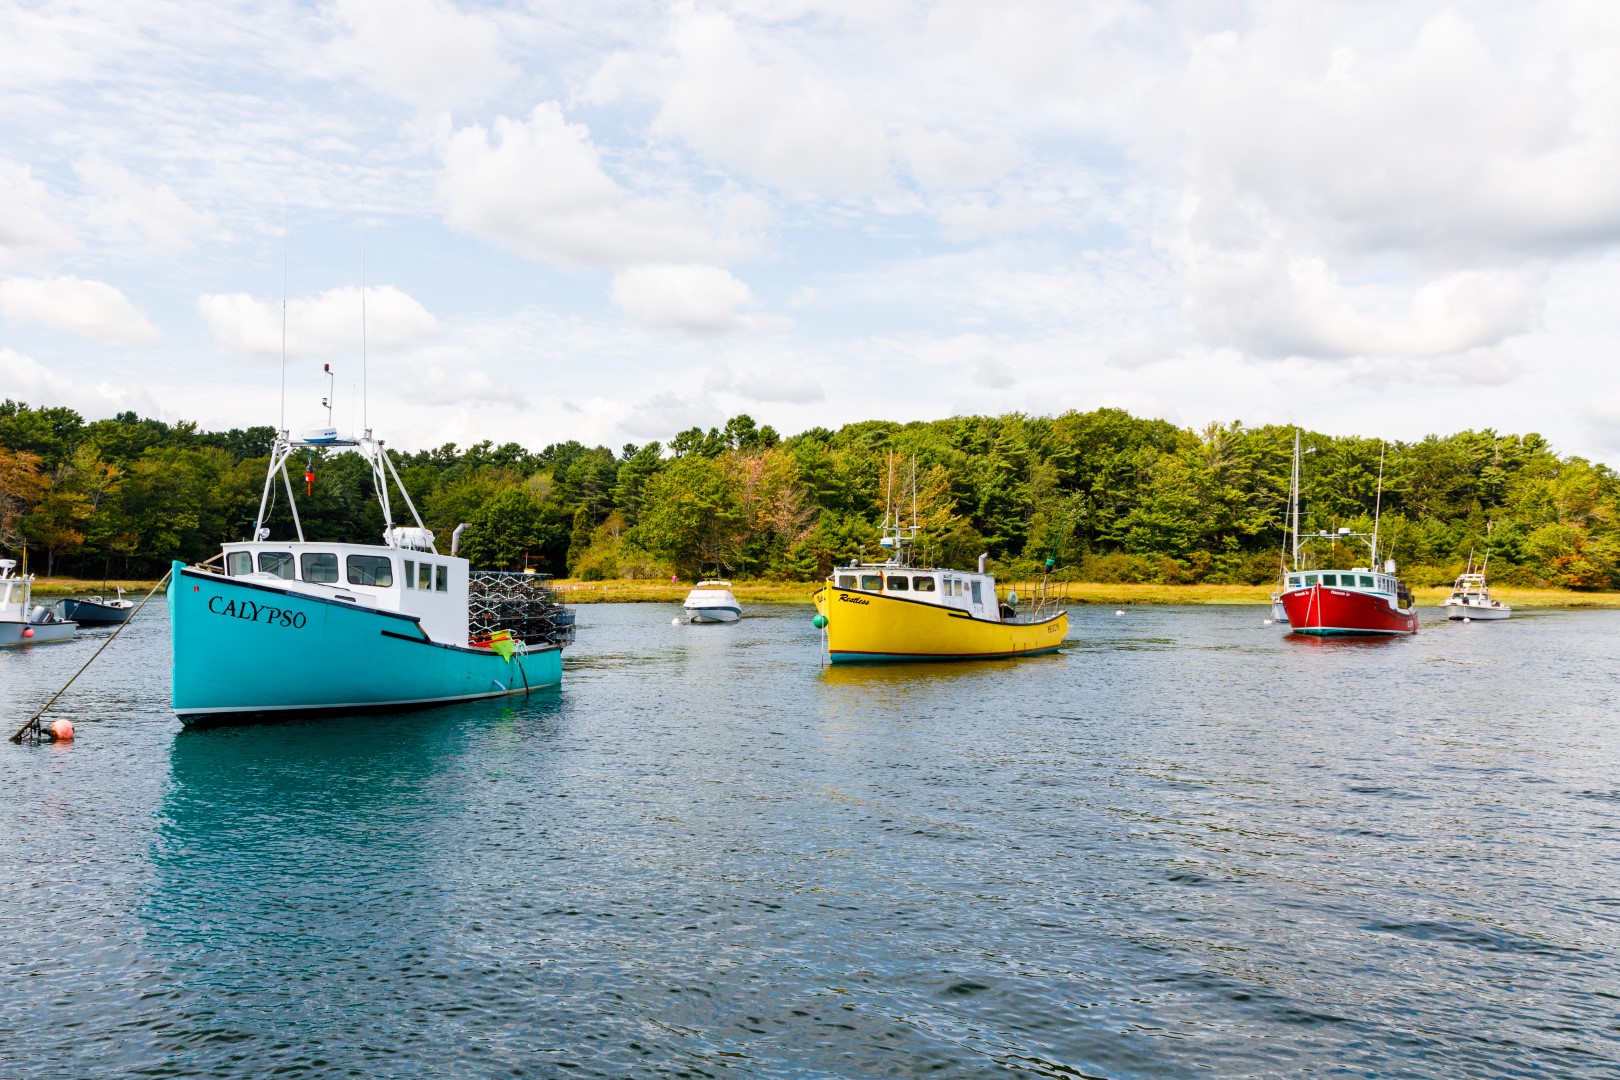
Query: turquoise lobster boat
{"type": "Point", "coordinates": [287, 627]}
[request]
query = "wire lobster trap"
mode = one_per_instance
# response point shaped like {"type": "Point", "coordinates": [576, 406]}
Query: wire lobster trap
{"type": "Point", "coordinates": [522, 603]}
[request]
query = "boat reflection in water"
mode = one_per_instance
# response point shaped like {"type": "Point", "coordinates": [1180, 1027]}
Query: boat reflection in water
{"type": "Point", "coordinates": [312, 868]}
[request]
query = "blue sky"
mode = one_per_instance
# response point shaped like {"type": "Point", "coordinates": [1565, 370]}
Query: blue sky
{"type": "Point", "coordinates": [612, 221]}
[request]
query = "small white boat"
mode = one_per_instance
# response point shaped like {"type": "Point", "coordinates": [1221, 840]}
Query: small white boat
{"type": "Point", "coordinates": [1471, 599]}
{"type": "Point", "coordinates": [21, 622]}
{"type": "Point", "coordinates": [711, 601]}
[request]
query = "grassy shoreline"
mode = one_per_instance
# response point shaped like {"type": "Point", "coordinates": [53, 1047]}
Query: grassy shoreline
{"type": "Point", "coordinates": [798, 592]}
{"type": "Point", "coordinates": [1076, 592]}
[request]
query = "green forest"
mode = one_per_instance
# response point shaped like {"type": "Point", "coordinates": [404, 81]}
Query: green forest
{"type": "Point", "coordinates": [1108, 496]}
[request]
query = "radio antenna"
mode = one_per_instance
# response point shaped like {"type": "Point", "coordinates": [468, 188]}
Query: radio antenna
{"type": "Point", "coordinates": [365, 419]}
{"type": "Point", "coordinates": [283, 425]}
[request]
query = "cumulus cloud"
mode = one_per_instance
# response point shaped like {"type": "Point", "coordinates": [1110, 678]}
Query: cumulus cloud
{"type": "Point", "coordinates": [316, 326]}
{"type": "Point", "coordinates": [427, 53]}
{"type": "Point", "coordinates": [664, 414]}
{"type": "Point", "coordinates": [993, 374]}
{"type": "Point", "coordinates": [942, 159]}
{"type": "Point", "coordinates": [781, 121]}
{"type": "Point", "coordinates": [779, 385]}
{"type": "Point", "coordinates": [91, 309]}
{"type": "Point", "coordinates": [127, 209]}
{"type": "Point", "coordinates": [465, 385]}
{"type": "Point", "coordinates": [1276, 304]}
{"type": "Point", "coordinates": [1440, 147]}
{"type": "Point", "coordinates": [702, 299]}
{"type": "Point", "coordinates": [26, 379]}
{"type": "Point", "coordinates": [537, 185]}
{"type": "Point", "coordinates": [28, 228]}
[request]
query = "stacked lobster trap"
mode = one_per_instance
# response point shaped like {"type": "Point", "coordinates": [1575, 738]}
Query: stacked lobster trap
{"type": "Point", "coordinates": [521, 603]}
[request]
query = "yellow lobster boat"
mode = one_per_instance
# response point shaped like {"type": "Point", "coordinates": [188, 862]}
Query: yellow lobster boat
{"type": "Point", "coordinates": [888, 612]}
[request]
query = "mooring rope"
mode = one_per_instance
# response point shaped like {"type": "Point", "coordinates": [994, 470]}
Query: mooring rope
{"type": "Point", "coordinates": [32, 727]}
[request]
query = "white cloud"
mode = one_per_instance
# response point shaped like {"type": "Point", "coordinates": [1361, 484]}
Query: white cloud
{"type": "Point", "coordinates": [464, 385]}
{"type": "Point", "coordinates": [782, 121]}
{"type": "Point", "coordinates": [424, 52]}
{"type": "Point", "coordinates": [28, 228]}
{"type": "Point", "coordinates": [778, 384]}
{"type": "Point", "coordinates": [127, 208]}
{"type": "Point", "coordinates": [317, 326]}
{"type": "Point", "coordinates": [664, 414]}
{"type": "Point", "coordinates": [941, 159]}
{"type": "Point", "coordinates": [993, 374]}
{"type": "Point", "coordinates": [538, 186]}
{"type": "Point", "coordinates": [26, 379]}
{"type": "Point", "coordinates": [91, 309]}
{"type": "Point", "coordinates": [1275, 304]}
{"type": "Point", "coordinates": [1364, 136]}
{"type": "Point", "coordinates": [702, 299]}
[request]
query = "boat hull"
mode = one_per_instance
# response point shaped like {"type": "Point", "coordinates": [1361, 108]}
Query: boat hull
{"type": "Point", "coordinates": [713, 614]}
{"type": "Point", "coordinates": [870, 628]}
{"type": "Point", "coordinates": [11, 632]}
{"type": "Point", "coordinates": [1323, 611]}
{"type": "Point", "coordinates": [1459, 612]}
{"type": "Point", "coordinates": [244, 650]}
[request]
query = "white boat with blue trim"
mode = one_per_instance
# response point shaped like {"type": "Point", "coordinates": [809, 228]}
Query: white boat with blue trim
{"type": "Point", "coordinates": [712, 601]}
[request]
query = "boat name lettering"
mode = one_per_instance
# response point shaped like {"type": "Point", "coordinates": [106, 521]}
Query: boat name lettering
{"type": "Point", "coordinates": [848, 599]}
{"type": "Point", "coordinates": [250, 611]}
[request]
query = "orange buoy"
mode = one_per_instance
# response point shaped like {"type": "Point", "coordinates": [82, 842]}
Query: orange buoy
{"type": "Point", "coordinates": [28, 632]}
{"type": "Point", "coordinates": [62, 729]}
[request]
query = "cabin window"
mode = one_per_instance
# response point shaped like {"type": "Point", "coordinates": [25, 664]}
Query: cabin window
{"type": "Point", "coordinates": [1366, 581]}
{"type": "Point", "coordinates": [441, 579]}
{"type": "Point", "coordinates": [871, 582]}
{"type": "Point", "coordinates": [846, 581]}
{"type": "Point", "coordinates": [1295, 582]}
{"type": "Point", "coordinates": [977, 599]}
{"type": "Point", "coordinates": [923, 584]}
{"type": "Point", "coordinates": [898, 583]}
{"type": "Point", "coordinates": [1330, 579]}
{"type": "Point", "coordinates": [371, 570]}
{"type": "Point", "coordinates": [318, 566]}
{"type": "Point", "coordinates": [951, 587]}
{"type": "Point", "coordinates": [409, 578]}
{"type": "Point", "coordinates": [424, 576]}
{"type": "Point", "coordinates": [238, 563]}
{"type": "Point", "coordinates": [279, 563]}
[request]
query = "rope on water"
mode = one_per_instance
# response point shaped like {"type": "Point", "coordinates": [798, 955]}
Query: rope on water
{"type": "Point", "coordinates": [33, 729]}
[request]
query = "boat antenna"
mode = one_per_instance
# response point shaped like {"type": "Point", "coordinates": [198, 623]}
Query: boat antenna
{"type": "Point", "coordinates": [1293, 500]}
{"type": "Point", "coordinates": [1378, 506]}
{"type": "Point", "coordinates": [283, 425]}
{"type": "Point", "coordinates": [365, 419]}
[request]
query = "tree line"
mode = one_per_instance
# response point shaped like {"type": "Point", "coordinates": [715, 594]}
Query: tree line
{"type": "Point", "coordinates": [1105, 495]}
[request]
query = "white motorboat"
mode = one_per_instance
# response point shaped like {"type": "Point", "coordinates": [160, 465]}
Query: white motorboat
{"type": "Point", "coordinates": [711, 601]}
{"type": "Point", "coordinates": [21, 621]}
{"type": "Point", "coordinates": [1471, 599]}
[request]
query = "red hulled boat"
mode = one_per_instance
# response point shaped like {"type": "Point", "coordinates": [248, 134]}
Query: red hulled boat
{"type": "Point", "coordinates": [1334, 603]}
{"type": "Point", "coordinates": [1359, 602]}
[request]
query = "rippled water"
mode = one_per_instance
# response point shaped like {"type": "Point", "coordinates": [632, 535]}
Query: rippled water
{"type": "Point", "coordinates": [1186, 845]}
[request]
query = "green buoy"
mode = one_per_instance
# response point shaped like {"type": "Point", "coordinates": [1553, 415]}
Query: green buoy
{"type": "Point", "coordinates": [819, 622]}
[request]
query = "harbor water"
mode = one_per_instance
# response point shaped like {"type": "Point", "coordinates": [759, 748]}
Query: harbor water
{"type": "Point", "coordinates": [1186, 845]}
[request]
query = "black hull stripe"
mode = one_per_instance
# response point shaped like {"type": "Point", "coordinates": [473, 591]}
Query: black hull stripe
{"type": "Point", "coordinates": [347, 606]}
